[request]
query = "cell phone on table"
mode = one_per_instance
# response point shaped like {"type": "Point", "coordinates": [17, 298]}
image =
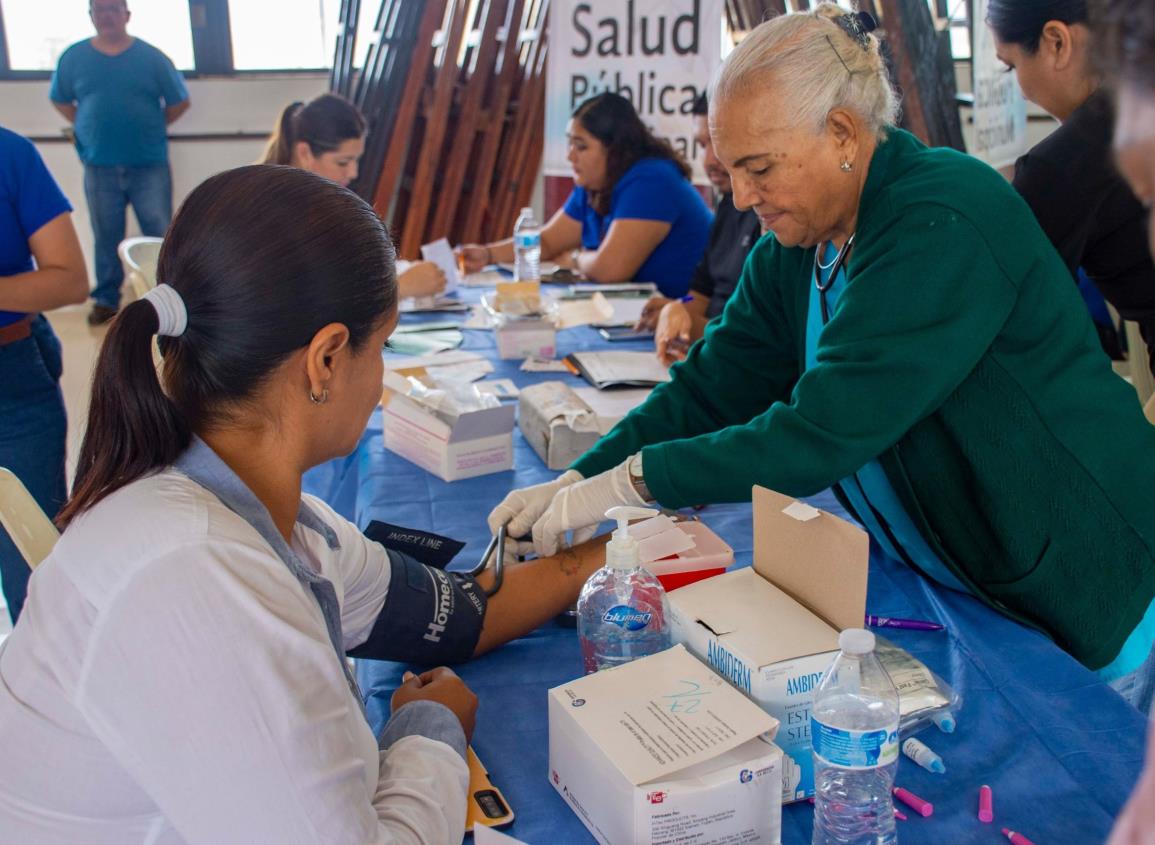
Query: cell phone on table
{"type": "Point", "coordinates": [486, 806]}
{"type": "Point", "coordinates": [616, 333]}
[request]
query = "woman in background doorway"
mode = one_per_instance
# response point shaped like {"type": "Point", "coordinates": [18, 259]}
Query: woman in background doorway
{"type": "Point", "coordinates": [326, 136]}
{"type": "Point", "coordinates": [1068, 179]}
{"type": "Point", "coordinates": [633, 213]}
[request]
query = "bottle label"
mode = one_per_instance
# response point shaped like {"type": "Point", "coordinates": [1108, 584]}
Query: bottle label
{"type": "Point", "coordinates": [854, 749]}
{"type": "Point", "coordinates": [627, 617]}
{"type": "Point", "coordinates": [527, 240]}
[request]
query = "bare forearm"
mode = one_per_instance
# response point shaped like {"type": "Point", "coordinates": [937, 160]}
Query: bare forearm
{"type": "Point", "coordinates": [501, 252]}
{"type": "Point", "coordinates": [43, 289]}
{"type": "Point", "coordinates": [536, 591]}
{"type": "Point", "coordinates": [68, 110]}
{"type": "Point", "coordinates": [173, 113]}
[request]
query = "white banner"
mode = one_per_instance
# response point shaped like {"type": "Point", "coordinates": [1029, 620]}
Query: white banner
{"type": "Point", "coordinates": [1000, 112]}
{"type": "Point", "coordinates": [660, 54]}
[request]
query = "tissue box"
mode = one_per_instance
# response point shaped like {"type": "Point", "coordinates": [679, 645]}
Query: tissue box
{"type": "Point", "coordinates": [477, 443]}
{"type": "Point", "coordinates": [556, 423]}
{"type": "Point", "coordinates": [663, 750]}
{"type": "Point", "coordinates": [772, 630]}
{"type": "Point", "coordinates": [525, 338]}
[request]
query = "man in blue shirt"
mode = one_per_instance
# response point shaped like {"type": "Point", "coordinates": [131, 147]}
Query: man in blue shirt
{"type": "Point", "coordinates": [120, 93]}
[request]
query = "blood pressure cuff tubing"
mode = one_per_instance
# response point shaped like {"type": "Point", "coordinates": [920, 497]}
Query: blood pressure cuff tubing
{"type": "Point", "coordinates": [430, 616]}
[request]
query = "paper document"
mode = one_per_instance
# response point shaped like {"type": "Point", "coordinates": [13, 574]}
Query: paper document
{"type": "Point", "coordinates": [483, 279]}
{"type": "Point", "coordinates": [663, 716]}
{"type": "Point", "coordinates": [453, 365]}
{"type": "Point", "coordinates": [627, 310]}
{"type": "Point", "coordinates": [543, 365]}
{"type": "Point", "coordinates": [581, 312]}
{"type": "Point", "coordinates": [483, 835]}
{"type": "Point", "coordinates": [441, 254]}
{"type": "Point", "coordinates": [611, 406]}
{"type": "Point", "coordinates": [609, 368]}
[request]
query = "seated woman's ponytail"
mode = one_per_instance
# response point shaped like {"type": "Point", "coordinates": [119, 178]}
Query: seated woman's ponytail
{"type": "Point", "coordinates": [256, 262]}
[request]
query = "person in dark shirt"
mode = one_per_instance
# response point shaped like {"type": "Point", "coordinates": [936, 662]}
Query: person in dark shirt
{"type": "Point", "coordinates": [1068, 179]}
{"type": "Point", "coordinates": [679, 323]}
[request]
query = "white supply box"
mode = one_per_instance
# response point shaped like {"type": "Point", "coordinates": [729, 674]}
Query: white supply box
{"type": "Point", "coordinates": [662, 750]}
{"type": "Point", "coordinates": [526, 338]}
{"type": "Point", "coordinates": [477, 443]}
{"type": "Point", "coordinates": [772, 630]}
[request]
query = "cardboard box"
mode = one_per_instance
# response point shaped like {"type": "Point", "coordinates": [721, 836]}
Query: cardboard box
{"type": "Point", "coordinates": [557, 423]}
{"type": "Point", "coordinates": [476, 443]}
{"type": "Point", "coordinates": [772, 630]}
{"type": "Point", "coordinates": [526, 338]}
{"type": "Point", "coordinates": [662, 750]}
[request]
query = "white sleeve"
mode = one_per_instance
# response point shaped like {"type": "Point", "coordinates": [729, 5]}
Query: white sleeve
{"type": "Point", "coordinates": [364, 570]}
{"type": "Point", "coordinates": [211, 678]}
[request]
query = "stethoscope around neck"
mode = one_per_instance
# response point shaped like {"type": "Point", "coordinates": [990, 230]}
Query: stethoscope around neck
{"type": "Point", "coordinates": [834, 268]}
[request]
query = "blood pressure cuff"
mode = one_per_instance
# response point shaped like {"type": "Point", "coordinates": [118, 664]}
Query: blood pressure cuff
{"type": "Point", "coordinates": [430, 616]}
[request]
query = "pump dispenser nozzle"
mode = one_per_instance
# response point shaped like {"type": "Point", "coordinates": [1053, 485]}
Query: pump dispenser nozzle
{"type": "Point", "coordinates": [622, 549]}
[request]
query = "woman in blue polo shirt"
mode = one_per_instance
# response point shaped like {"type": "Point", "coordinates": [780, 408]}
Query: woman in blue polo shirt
{"type": "Point", "coordinates": [35, 223]}
{"type": "Point", "coordinates": [633, 214]}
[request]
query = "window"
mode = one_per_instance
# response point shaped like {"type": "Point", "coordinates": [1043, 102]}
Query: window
{"type": "Point", "coordinates": [38, 32]}
{"type": "Point", "coordinates": [285, 35]}
{"type": "Point", "coordinates": [960, 32]}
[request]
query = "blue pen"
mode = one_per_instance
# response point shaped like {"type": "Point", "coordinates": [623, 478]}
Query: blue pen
{"type": "Point", "coordinates": [687, 298]}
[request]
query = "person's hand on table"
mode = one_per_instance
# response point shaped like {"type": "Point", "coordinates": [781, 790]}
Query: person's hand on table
{"type": "Point", "coordinates": [474, 257]}
{"type": "Point", "coordinates": [581, 507]}
{"type": "Point", "coordinates": [672, 337]}
{"type": "Point", "coordinates": [443, 686]}
{"type": "Point", "coordinates": [521, 509]}
{"type": "Point", "coordinates": [650, 311]}
{"type": "Point", "coordinates": [423, 278]}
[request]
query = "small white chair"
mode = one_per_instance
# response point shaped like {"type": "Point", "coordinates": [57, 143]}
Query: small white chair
{"type": "Point", "coordinates": [1137, 357]}
{"type": "Point", "coordinates": [139, 257]}
{"type": "Point", "coordinates": [28, 526]}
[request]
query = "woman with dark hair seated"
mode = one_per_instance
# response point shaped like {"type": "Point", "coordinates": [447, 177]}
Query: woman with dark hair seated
{"type": "Point", "coordinates": [326, 136]}
{"type": "Point", "coordinates": [178, 674]}
{"type": "Point", "coordinates": [1068, 178]}
{"type": "Point", "coordinates": [633, 213]}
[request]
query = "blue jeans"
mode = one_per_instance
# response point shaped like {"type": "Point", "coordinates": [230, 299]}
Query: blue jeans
{"type": "Point", "coordinates": [1138, 687]}
{"type": "Point", "coordinates": [33, 429]}
{"type": "Point", "coordinates": [109, 191]}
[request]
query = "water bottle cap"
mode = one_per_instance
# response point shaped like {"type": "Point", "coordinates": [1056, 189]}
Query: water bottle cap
{"type": "Point", "coordinates": [856, 641]}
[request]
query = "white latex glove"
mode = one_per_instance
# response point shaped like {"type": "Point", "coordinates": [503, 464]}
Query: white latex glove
{"type": "Point", "coordinates": [521, 509]}
{"type": "Point", "coordinates": [582, 507]}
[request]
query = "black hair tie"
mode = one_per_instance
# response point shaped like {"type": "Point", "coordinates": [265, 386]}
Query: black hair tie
{"type": "Point", "coordinates": [858, 25]}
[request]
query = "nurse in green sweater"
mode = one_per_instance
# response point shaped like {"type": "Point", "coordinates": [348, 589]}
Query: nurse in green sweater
{"type": "Point", "coordinates": [906, 334]}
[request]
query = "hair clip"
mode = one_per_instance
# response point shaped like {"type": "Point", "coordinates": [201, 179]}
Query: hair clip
{"type": "Point", "coordinates": [858, 25]}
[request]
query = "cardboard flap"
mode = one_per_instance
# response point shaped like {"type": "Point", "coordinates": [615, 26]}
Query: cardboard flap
{"type": "Point", "coordinates": [817, 558]}
{"type": "Point", "coordinates": [753, 619]}
{"type": "Point", "coordinates": [488, 422]}
{"type": "Point", "coordinates": [661, 714]}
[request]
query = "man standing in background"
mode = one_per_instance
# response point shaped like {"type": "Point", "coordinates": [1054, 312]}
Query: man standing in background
{"type": "Point", "coordinates": [120, 93]}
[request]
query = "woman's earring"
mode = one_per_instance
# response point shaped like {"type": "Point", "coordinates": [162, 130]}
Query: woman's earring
{"type": "Point", "coordinates": [846, 166]}
{"type": "Point", "coordinates": [319, 400]}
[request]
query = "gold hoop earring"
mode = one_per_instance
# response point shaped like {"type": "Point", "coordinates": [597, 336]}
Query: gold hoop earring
{"type": "Point", "coordinates": [319, 400]}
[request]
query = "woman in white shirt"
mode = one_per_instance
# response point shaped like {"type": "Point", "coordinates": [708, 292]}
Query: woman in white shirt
{"type": "Point", "coordinates": [178, 673]}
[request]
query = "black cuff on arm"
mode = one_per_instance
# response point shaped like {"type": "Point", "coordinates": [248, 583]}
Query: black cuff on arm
{"type": "Point", "coordinates": [430, 617]}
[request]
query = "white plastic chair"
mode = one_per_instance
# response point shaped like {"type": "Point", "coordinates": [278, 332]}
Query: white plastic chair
{"type": "Point", "coordinates": [1137, 357]}
{"type": "Point", "coordinates": [28, 526]}
{"type": "Point", "coordinates": [139, 257]}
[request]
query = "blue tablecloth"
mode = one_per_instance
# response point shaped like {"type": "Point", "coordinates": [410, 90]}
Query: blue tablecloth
{"type": "Point", "coordinates": [1060, 750]}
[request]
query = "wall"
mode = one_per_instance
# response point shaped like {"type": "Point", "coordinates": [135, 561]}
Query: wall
{"type": "Point", "coordinates": [221, 108]}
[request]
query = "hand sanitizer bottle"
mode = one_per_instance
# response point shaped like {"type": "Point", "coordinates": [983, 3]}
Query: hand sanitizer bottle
{"type": "Point", "coordinates": [622, 612]}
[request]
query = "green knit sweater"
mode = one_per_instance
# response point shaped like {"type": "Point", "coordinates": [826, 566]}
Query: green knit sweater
{"type": "Point", "coordinates": [962, 358]}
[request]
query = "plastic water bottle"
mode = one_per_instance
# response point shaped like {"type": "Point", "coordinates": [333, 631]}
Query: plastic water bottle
{"type": "Point", "coordinates": [622, 611]}
{"type": "Point", "coordinates": [854, 733]}
{"type": "Point", "coordinates": [527, 247]}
